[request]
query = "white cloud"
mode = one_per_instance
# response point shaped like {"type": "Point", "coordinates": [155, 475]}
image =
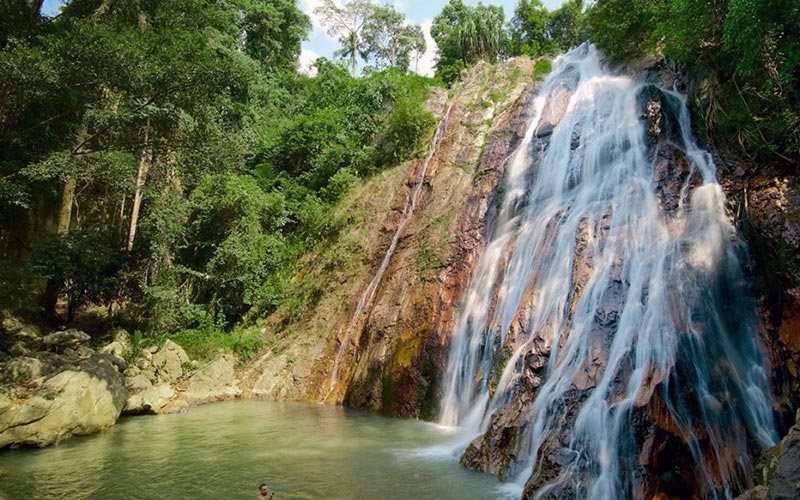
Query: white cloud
{"type": "Point", "coordinates": [308, 6]}
{"type": "Point", "coordinates": [307, 59]}
{"type": "Point", "coordinates": [427, 63]}
{"type": "Point", "coordinates": [400, 5]}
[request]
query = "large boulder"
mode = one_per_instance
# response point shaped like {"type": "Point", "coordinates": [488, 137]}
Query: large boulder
{"type": "Point", "coordinates": [71, 338]}
{"type": "Point", "coordinates": [15, 326]}
{"type": "Point", "coordinates": [80, 399]}
{"type": "Point", "coordinates": [30, 333]}
{"type": "Point", "coordinates": [149, 399]}
{"type": "Point", "coordinates": [163, 364]}
{"type": "Point", "coordinates": [10, 324]}
{"type": "Point", "coordinates": [31, 367]}
{"type": "Point", "coordinates": [17, 337]}
{"type": "Point", "coordinates": [215, 381]}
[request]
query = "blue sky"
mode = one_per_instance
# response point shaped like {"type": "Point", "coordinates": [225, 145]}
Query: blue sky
{"type": "Point", "coordinates": [417, 11]}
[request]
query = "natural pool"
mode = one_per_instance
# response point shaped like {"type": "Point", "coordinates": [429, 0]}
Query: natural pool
{"type": "Point", "coordinates": [225, 450]}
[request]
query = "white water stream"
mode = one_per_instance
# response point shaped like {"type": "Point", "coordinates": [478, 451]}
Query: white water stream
{"type": "Point", "coordinates": [362, 309]}
{"type": "Point", "coordinates": [625, 298]}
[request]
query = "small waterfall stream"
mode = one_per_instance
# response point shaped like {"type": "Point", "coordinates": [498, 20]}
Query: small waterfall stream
{"type": "Point", "coordinates": [364, 302]}
{"type": "Point", "coordinates": [602, 289]}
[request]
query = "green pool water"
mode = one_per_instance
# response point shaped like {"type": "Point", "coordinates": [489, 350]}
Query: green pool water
{"type": "Point", "coordinates": [226, 450]}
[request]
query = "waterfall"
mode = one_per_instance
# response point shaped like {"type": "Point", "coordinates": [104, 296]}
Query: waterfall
{"type": "Point", "coordinates": [607, 286]}
{"type": "Point", "coordinates": [362, 308]}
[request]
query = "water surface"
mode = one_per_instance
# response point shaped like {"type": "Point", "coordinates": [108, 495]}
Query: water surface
{"type": "Point", "coordinates": [226, 450]}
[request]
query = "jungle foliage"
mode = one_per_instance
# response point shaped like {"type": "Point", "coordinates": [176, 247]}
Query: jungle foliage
{"type": "Point", "coordinates": [166, 161]}
{"type": "Point", "coordinates": [743, 54]}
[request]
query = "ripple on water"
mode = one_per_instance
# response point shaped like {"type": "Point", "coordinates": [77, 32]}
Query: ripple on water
{"type": "Point", "coordinates": [225, 450]}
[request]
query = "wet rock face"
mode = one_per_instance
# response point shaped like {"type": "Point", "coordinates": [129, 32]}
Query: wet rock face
{"type": "Point", "coordinates": [395, 359]}
{"type": "Point", "coordinates": [672, 170]}
{"type": "Point", "coordinates": [785, 484]}
{"type": "Point", "coordinates": [769, 207]}
{"type": "Point", "coordinates": [778, 470]}
{"type": "Point", "coordinates": [660, 113]}
{"type": "Point", "coordinates": [403, 347]}
{"type": "Point", "coordinates": [493, 452]}
{"type": "Point", "coordinates": [657, 442]}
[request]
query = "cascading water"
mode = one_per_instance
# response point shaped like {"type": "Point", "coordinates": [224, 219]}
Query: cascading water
{"type": "Point", "coordinates": [602, 291]}
{"type": "Point", "coordinates": [356, 321]}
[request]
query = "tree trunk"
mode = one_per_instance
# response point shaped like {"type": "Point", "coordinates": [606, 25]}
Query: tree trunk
{"type": "Point", "coordinates": [53, 288]}
{"type": "Point", "coordinates": [353, 54]}
{"type": "Point", "coordinates": [121, 219]}
{"type": "Point", "coordinates": [36, 8]}
{"type": "Point", "coordinates": [65, 211]}
{"type": "Point", "coordinates": [144, 167]}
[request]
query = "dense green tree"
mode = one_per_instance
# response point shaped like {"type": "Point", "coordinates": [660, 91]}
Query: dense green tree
{"type": "Point", "coordinates": [390, 39]}
{"type": "Point", "coordinates": [348, 23]}
{"type": "Point", "coordinates": [529, 29]}
{"type": "Point", "coordinates": [622, 29]}
{"type": "Point", "coordinates": [234, 244]}
{"type": "Point", "coordinates": [535, 31]}
{"type": "Point", "coordinates": [20, 19]}
{"type": "Point", "coordinates": [273, 31]}
{"type": "Point", "coordinates": [565, 26]}
{"type": "Point", "coordinates": [122, 79]}
{"type": "Point", "coordinates": [465, 35]}
{"type": "Point", "coordinates": [746, 53]}
{"type": "Point", "coordinates": [164, 157]}
{"type": "Point", "coordinates": [86, 266]}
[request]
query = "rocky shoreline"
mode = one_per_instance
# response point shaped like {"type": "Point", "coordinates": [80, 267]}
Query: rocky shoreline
{"type": "Point", "coordinates": [54, 386]}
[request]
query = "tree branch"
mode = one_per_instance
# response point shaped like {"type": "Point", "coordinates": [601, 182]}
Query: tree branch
{"type": "Point", "coordinates": [153, 99]}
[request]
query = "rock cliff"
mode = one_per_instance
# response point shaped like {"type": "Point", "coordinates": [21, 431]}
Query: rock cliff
{"type": "Point", "coordinates": [395, 359]}
{"type": "Point", "coordinates": [394, 363]}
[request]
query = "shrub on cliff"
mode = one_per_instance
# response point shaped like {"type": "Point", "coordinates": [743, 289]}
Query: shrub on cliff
{"type": "Point", "coordinates": [745, 53]}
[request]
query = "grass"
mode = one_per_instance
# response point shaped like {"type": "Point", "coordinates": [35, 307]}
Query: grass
{"type": "Point", "coordinates": [444, 220]}
{"type": "Point", "coordinates": [541, 69]}
{"type": "Point", "coordinates": [205, 344]}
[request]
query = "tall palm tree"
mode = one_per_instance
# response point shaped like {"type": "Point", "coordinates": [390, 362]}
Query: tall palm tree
{"type": "Point", "coordinates": [352, 49]}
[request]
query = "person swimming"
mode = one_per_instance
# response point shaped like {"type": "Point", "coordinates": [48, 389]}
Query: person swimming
{"type": "Point", "coordinates": [264, 493]}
